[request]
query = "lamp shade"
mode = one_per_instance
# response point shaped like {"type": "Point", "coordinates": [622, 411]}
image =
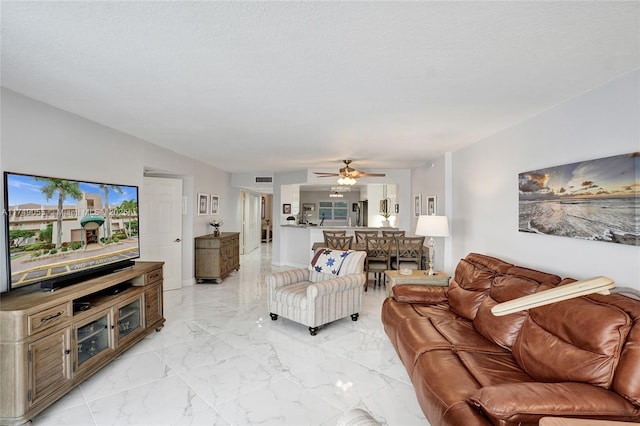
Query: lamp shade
{"type": "Point", "coordinates": [432, 226]}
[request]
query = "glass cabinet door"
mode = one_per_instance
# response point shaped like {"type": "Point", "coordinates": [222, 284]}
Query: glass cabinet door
{"type": "Point", "coordinates": [129, 318]}
{"type": "Point", "coordinates": [92, 338]}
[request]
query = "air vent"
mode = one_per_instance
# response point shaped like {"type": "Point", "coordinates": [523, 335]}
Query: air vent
{"type": "Point", "coordinates": [264, 179]}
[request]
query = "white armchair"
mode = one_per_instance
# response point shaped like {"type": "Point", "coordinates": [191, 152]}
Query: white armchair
{"type": "Point", "coordinates": [314, 298]}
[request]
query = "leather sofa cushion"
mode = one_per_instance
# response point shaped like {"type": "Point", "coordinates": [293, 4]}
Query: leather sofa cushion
{"type": "Point", "coordinates": [627, 378]}
{"type": "Point", "coordinates": [468, 288]}
{"type": "Point", "coordinates": [539, 276]}
{"type": "Point", "coordinates": [493, 369]}
{"type": "Point", "coordinates": [503, 330]}
{"type": "Point", "coordinates": [394, 313]}
{"type": "Point", "coordinates": [416, 293]}
{"type": "Point", "coordinates": [463, 336]}
{"type": "Point", "coordinates": [574, 340]}
{"type": "Point", "coordinates": [441, 382]}
{"type": "Point", "coordinates": [526, 403]}
{"type": "Point", "coordinates": [416, 336]}
{"type": "Point", "coordinates": [488, 262]}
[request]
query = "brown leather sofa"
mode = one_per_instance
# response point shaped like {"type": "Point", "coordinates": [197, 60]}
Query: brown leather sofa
{"type": "Point", "coordinates": [578, 358]}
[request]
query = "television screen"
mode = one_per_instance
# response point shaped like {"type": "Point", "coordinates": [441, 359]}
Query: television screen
{"type": "Point", "coordinates": [60, 229]}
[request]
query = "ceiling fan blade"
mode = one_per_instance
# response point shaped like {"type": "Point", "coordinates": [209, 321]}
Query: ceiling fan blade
{"type": "Point", "coordinates": [349, 172]}
{"type": "Point", "coordinates": [373, 174]}
{"type": "Point", "coordinates": [323, 174]}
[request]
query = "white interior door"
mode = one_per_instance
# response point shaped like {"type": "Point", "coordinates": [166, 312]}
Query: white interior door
{"type": "Point", "coordinates": [250, 222]}
{"type": "Point", "coordinates": [161, 226]}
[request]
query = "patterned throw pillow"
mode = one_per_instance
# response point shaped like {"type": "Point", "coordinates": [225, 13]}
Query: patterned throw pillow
{"type": "Point", "coordinates": [327, 261]}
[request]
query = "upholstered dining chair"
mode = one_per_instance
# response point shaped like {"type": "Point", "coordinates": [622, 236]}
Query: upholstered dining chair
{"type": "Point", "coordinates": [338, 243]}
{"type": "Point", "coordinates": [362, 235]}
{"type": "Point", "coordinates": [408, 253]}
{"type": "Point", "coordinates": [378, 258]}
{"type": "Point", "coordinates": [393, 233]}
{"type": "Point", "coordinates": [329, 289]}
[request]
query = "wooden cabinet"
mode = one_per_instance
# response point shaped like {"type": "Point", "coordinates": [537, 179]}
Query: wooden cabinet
{"type": "Point", "coordinates": [52, 341]}
{"type": "Point", "coordinates": [48, 365]}
{"type": "Point", "coordinates": [216, 257]}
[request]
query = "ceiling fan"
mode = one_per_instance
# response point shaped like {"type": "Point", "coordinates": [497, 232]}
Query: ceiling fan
{"type": "Point", "coordinates": [347, 172]}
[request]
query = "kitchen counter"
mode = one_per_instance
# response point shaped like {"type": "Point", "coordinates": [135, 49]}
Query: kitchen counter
{"type": "Point", "coordinates": [297, 241]}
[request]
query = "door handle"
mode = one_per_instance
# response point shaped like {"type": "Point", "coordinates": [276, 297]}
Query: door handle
{"type": "Point", "coordinates": [177, 240]}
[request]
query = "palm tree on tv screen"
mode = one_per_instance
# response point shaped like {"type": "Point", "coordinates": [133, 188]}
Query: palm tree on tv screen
{"type": "Point", "coordinates": [107, 210]}
{"type": "Point", "coordinates": [64, 188]}
{"type": "Point", "coordinates": [127, 209]}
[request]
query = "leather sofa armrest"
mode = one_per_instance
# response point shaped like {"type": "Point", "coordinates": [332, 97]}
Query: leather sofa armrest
{"type": "Point", "coordinates": [417, 293]}
{"type": "Point", "coordinates": [528, 402]}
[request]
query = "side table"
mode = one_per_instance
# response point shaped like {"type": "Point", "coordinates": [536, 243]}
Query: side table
{"type": "Point", "coordinates": [417, 277]}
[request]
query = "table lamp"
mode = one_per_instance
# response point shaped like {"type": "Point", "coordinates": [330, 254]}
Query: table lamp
{"type": "Point", "coordinates": [432, 226]}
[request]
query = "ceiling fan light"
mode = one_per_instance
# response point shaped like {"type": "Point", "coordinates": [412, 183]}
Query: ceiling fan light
{"type": "Point", "coordinates": [346, 181]}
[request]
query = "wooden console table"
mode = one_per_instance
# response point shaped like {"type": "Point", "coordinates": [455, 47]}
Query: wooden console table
{"type": "Point", "coordinates": [417, 277]}
{"type": "Point", "coordinates": [216, 256]}
{"type": "Point", "coordinates": [50, 342]}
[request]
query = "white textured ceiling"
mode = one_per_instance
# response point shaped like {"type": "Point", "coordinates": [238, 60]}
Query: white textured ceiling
{"type": "Point", "coordinates": [275, 86]}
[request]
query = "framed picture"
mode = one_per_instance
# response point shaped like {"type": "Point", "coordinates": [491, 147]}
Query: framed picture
{"type": "Point", "coordinates": [215, 204]}
{"type": "Point", "coordinates": [286, 209]}
{"type": "Point", "coordinates": [431, 205]}
{"type": "Point", "coordinates": [417, 205]}
{"type": "Point", "coordinates": [594, 200]}
{"type": "Point", "coordinates": [262, 208]}
{"type": "Point", "coordinates": [397, 208]}
{"type": "Point", "coordinates": [203, 204]}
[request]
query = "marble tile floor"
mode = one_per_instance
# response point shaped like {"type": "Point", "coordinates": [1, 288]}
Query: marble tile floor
{"type": "Point", "coordinates": [220, 360]}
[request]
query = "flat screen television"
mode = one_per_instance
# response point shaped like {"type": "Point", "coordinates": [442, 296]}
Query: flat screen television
{"type": "Point", "coordinates": [60, 231]}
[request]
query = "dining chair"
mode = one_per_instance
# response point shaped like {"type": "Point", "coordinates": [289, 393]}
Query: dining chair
{"type": "Point", "coordinates": [378, 258]}
{"type": "Point", "coordinates": [408, 253]}
{"type": "Point", "coordinates": [393, 233]}
{"type": "Point", "coordinates": [334, 233]}
{"type": "Point", "coordinates": [339, 243]}
{"type": "Point", "coordinates": [361, 236]}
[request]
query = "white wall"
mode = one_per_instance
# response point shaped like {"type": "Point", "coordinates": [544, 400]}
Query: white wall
{"type": "Point", "coordinates": [600, 123]}
{"type": "Point", "coordinates": [38, 138]}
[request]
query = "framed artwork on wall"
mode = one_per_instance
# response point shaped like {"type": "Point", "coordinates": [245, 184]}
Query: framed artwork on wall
{"type": "Point", "coordinates": [203, 204]}
{"type": "Point", "coordinates": [594, 200]}
{"type": "Point", "coordinates": [286, 209]}
{"type": "Point", "coordinates": [417, 205]}
{"type": "Point", "coordinates": [431, 205]}
{"type": "Point", "coordinates": [215, 204]}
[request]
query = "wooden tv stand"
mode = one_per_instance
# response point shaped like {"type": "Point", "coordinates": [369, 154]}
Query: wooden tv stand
{"type": "Point", "coordinates": [52, 341]}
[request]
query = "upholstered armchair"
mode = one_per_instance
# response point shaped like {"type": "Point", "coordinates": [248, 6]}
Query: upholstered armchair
{"type": "Point", "coordinates": [328, 290]}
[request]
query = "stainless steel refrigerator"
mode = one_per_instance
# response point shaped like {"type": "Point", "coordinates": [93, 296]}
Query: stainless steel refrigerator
{"type": "Point", "coordinates": [362, 213]}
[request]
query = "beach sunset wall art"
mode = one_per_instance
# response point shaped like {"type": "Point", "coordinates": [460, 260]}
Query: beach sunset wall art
{"type": "Point", "coordinates": [595, 200]}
